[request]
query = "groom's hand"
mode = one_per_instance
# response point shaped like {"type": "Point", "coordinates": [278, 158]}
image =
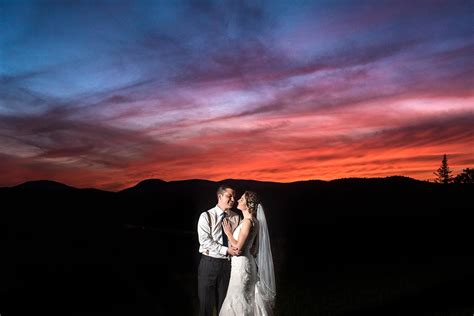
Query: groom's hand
{"type": "Point", "coordinates": [233, 251]}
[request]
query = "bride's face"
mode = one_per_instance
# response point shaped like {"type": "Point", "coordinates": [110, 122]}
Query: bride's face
{"type": "Point", "coordinates": [242, 203]}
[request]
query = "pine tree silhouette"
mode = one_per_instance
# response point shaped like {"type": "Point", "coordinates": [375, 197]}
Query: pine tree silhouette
{"type": "Point", "coordinates": [466, 176]}
{"type": "Point", "coordinates": [443, 174]}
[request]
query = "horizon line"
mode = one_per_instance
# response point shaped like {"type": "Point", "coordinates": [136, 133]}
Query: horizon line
{"type": "Point", "coordinates": [219, 181]}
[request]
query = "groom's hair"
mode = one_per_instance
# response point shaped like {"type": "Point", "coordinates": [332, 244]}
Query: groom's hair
{"type": "Point", "coordinates": [222, 189]}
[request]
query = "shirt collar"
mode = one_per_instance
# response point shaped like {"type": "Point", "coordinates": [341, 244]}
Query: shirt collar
{"type": "Point", "coordinates": [219, 211]}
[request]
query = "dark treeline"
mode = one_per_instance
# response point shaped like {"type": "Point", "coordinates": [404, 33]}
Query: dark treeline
{"type": "Point", "coordinates": [344, 247]}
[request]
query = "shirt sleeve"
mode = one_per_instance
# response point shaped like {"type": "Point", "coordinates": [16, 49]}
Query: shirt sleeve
{"type": "Point", "coordinates": [205, 236]}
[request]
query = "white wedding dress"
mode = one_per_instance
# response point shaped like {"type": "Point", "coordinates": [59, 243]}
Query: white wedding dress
{"type": "Point", "coordinates": [240, 298]}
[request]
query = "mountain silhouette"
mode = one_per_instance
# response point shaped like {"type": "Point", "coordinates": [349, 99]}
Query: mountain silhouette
{"type": "Point", "coordinates": [341, 247]}
{"type": "Point", "coordinates": [147, 185]}
{"type": "Point", "coordinates": [43, 185]}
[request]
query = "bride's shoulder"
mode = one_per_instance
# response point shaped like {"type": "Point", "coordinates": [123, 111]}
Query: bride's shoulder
{"type": "Point", "coordinates": [251, 221]}
{"type": "Point", "coordinates": [247, 221]}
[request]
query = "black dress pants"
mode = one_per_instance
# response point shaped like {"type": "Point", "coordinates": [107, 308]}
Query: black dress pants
{"type": "Point", "coordinates": [213, 280]}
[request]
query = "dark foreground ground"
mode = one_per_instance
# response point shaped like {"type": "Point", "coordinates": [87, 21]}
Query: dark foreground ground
{"type": "Point", "coordinates": [351, 247]}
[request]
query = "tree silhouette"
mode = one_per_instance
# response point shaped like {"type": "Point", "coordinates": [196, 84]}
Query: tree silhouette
{"type": "Point", "coordinates": [443, 174]}
{"type": "Point", "coordinates": [466, 176]}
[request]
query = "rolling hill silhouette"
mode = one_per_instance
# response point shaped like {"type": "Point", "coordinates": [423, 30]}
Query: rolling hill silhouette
{"type": "Point", "coordinates": [354, 246]}
{"type": "Point", "coordinates": [43, 185]}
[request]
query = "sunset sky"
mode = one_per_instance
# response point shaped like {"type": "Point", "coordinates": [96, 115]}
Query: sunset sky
{"type": "Point", "coordinates": [107, 93]}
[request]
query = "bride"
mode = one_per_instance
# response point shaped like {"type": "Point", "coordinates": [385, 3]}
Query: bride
{"type": "Point", "coordinates": [251, 288]}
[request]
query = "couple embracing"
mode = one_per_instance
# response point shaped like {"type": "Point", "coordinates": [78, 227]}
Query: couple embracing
{"type": "Point", "coordinates": [235, 274]}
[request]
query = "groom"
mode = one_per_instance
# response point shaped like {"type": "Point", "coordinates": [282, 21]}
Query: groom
{"type": "Point", "coordinates": [214, 267]}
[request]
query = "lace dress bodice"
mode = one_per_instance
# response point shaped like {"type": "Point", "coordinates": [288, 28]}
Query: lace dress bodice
{"type": "Point", "coordinates": [250, 238]}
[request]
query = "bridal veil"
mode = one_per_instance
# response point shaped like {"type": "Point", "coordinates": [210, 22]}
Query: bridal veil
{"type": "Point", "coordinates": [265, 289]}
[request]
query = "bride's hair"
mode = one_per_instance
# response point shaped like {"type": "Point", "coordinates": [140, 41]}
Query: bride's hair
{"type": "Point", "coordinates": [252, 201]}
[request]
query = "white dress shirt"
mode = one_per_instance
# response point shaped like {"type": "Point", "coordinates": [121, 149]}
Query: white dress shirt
{"type": "Point", "coordinates": [210, 239]}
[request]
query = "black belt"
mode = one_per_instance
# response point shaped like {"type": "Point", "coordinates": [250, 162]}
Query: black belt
{"type": "Point", "coordinates": [213, 258]}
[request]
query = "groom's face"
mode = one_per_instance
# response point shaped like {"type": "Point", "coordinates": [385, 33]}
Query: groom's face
{"type": "Point", "coordinates": [226, 199]}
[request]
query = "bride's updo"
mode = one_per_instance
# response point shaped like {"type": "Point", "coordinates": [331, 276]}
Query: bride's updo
{"type": "Point", "coordinates": [252, 201]}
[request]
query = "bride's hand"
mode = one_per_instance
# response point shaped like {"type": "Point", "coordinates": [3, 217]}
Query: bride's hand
{"type": "Point", "coordinates": [227, 227]}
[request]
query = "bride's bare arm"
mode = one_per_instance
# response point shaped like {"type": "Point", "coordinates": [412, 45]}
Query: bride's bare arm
{"type": "Point", "coordinates": [228, 232]}
{"type": "Point", "coordinates": [244, 233]}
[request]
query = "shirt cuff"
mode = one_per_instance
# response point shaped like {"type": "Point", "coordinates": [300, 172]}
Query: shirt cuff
{"type": "Point", "coordinates": [223, 250]}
